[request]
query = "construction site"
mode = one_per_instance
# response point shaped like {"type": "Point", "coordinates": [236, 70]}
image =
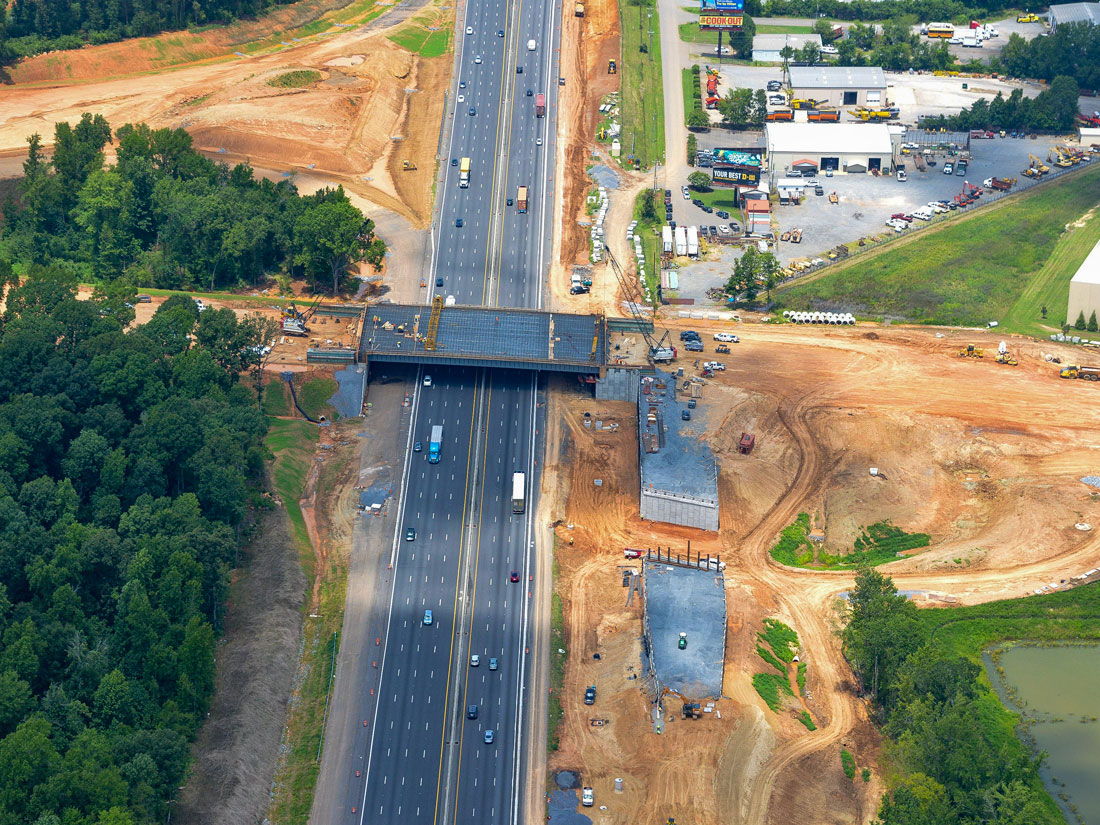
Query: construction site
{"type": "Point", "coordinates": [852, 426]}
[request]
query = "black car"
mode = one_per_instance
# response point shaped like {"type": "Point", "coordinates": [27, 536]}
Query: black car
{"type": "Point", "coordinates": [713, 230]}
{"type": "Point", "coordinates": [590, 695]}
{"type": "Point", "coordinates": [454, 161]}
{"type": "Point", "coordinates": [707, 209]}
{"type": "Point", "coordinates": [685, 415]}
{"type": "Point", "coordinates": [578, 290]}
{"type": "Point", "coordinates": [697, 202]}
{"type": "Point", "coordinates": [530, 92]}
{"type": "Point", "coordinates": [439, 282]}
{"type": "Point", "coordinates": [458, 222]}
{"type": "Point", "coordinates": [509, 201]}
{"type": "Point", "coordinates": [519, 69]}
{"type": "Point", "coordinates": [723, 214]}
{"type": "Point", "coordinates": [471, 712]}
{"type": "Point", "coordinates": [693, 346]}
{"type": "Point", "coordinates": [774, 85]}
{"type": "Point", "coordinates": [687, 334]}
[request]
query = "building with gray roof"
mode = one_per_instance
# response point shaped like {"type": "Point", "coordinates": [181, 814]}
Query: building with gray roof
{"type": "Point", "coordinates": [840, 85]}
{"type": "Point", "coordinates": [1066, 13]}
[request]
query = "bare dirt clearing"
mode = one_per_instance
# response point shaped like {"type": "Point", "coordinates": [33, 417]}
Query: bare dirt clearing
{"type": "Point", "coordinates": [985, 458]}
{"type": "Point", "coordinates": [375, 106]}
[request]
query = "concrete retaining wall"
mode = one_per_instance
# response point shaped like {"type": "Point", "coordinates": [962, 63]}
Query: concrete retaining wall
{"type": "Point", "coordinates": [659, 506]}
{"type": "Point", "coordinates": [620, 384]}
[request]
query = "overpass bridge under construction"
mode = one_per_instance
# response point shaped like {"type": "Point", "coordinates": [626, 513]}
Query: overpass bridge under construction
{"type": "Point", "coordinates": [479, 336]}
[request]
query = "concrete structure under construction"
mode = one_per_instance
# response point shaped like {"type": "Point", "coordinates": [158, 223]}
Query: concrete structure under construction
{"type": "Point", "coordinates": [679, 476]}
{"type": "Point", "coordinates": [1084, 289]}
{"type": "Point", "coordinates": [690, 601]}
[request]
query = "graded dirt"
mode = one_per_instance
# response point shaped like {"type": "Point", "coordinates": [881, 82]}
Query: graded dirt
{"type": "Point", "coordinates": [375, 106]}
{"type": "Point", "coordinates": [985, 458]}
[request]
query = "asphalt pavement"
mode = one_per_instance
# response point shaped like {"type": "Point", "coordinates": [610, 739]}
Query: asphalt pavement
{"type": "Point", "coordinates": [417, 757]}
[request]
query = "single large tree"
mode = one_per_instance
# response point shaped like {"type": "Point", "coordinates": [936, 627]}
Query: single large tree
{"type": "Point", "coordinates": [331, 236]}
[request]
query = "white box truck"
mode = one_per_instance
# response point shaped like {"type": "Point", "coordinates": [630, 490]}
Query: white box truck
{"type": "Point", "coordinates": [681, 241]}
{"type": "Point", "coordinates": [693, 241]}
{"type": "Point", "coordinates": [666, 239]}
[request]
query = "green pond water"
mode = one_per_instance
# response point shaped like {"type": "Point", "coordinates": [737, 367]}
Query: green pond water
{"type": "Point", "coordinates": [1057, 687]}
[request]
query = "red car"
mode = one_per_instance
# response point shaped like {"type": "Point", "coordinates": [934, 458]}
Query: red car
{"type": "Point", "coordinates": [901, 217]}
{"type": "Point", "coordinates": [515, 576]}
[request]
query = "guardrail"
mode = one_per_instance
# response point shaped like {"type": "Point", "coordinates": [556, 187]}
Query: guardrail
{"type": "Point", "coordinates": [988, 197]}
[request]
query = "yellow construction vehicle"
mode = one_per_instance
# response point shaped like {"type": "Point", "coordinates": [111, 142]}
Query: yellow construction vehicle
{"type": "Point", "coordinates": [1027, 18]}
{"type": "Point", "coordinates": [408, 165]}
{"type": "Point", "coordinates": [1058, 157]}
{"type": "Point", "coordinates": [1006, 358]}
{"type": "Point", "coordinates": [1084, 373]}
{"type": "Point", "coordinates": [971, 351]}
{"type": "Point", "coordinates": [804, 103]}
{"type": "Point", "coordinates": [1038, 165]}
{"type": "Point", "coordinates": [611, 68]}
{"type": "Point", "coordinates": [870, 115]}
{"type": "Point", "coordinates": [578, 10]}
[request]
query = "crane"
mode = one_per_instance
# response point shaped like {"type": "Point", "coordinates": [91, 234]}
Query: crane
{"type": "Point", "coordinates": [634, 298]}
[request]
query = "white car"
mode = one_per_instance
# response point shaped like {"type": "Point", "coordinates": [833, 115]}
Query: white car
{"type": "Point", "coordinates": [200, 304]}
{"type": "Point", "coordinates": [830, 50]}
{"type": "Point", "coordinates": [955, 40]}
{"type": "Point", "coordinates": [587, 797]}
{"type": "Point", "coordinates": [469, 30]}
{"type": "Point", "coordinates": [475, 660]}
{"type": "Point", "coordinates": [902, 177]}
{"type": "Point", "coordinates": [687, 194]}
{"type": "Point", "coordinates": [462, 98]}
{"type": "Point", "coordinates": [477, 59]}
{"type": "Point", "coordinates": [727, 337]}
{"type": "Point", "coordinates": [777, 100]}
{"type": "Point", "coordinates": [427, 380]}
{"type": "Point", "coordinates": [538, 141]}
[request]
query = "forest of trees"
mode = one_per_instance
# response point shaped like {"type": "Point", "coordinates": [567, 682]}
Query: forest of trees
{"type": "Point", "coordinates": [922, 10]}
{"type": "Point", "coordinates": [35, 26]}
{"type": "Point", "coordinates": [952, 763]}
{"type": "Point", "coordinates": [1072, 50]}
{"type": "Point", "coordinates": [128, 458]}
{"type": "Point", "coordinates": [1053, 110]}
{"type": "Point", "coordinates": [164, 216]}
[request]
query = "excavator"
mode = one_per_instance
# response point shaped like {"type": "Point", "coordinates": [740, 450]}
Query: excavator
{"type": "Point", "coordinates": [1036, 167]}
{"type": "Point", "coordinates": [1059, 158]}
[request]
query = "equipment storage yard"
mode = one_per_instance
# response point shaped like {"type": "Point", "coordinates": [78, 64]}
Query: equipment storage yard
{"type": "Point", "coordinates": [985, 458]}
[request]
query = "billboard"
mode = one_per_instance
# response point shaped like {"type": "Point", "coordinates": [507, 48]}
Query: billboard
{"type": "Point", "coordinates": [738, 157]}
{"type": "Point", "coordinates": [720, 22]}
{"type": "Point", "coordinates": [721, 5]}
{"type": "Point", "coordinates": [739, 175]}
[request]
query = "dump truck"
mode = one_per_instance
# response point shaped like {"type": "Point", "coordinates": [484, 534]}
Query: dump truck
{"type": "Point", "coordinates": [464, 174]}
{"type": "Point", "coordinates": [1085, 373]}
{"type": "Point", "coordinates": [408, 165]}
{"type": "Point", "coordinates": [540, 105]}
{"type": "Point", "coordinates": [747, 442]}
{"type": "Point", "coordinates": [1002, 184]}
{"type": "Point", "coordinates": [435, 444]}
{"type": "Point", "coordinates": [817, 116]}
{"type": "Point", "coordinates": [578, 10]}
{"type": "Point", "coordinates": [521, 200]}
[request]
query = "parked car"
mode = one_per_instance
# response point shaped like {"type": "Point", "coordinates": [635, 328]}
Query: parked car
{"type": "Point", "coordinates": [902, 177]}
{"type": "Point", "coordinates": [693, 346]}
{"type": "Point", "coordinates": [723, 214]}
{"type": "Point", "coordinates": [685, 415]}
{"type": "Point", "coordinates": [948, 168]}
{"type": "Point", "coordinates": [774, 85]}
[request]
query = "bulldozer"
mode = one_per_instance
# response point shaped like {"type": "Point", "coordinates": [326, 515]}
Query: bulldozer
{"type": "Point", "coordinates": [1004, 356]}
{"type": "Point", "coordinates": [971, 351]}
{"type": "Point", "coordinates": [408, 165]}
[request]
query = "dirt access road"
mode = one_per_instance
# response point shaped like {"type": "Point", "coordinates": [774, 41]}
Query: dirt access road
{"type": "Point", "coordinates": [985, 458]}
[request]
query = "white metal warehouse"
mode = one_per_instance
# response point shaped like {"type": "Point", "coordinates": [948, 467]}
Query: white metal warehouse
{"type": "Point", "coordinates": [839, 147]}
{"type": "Point", "coordinates": [840, 85]}
{"type": "Point", "coordinates": [1084, 289]}
{"type": "Point", "coordinates": [1066, 13]}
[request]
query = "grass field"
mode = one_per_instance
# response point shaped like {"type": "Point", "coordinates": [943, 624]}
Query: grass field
{"type": "Point", "coordinates": [295, 80]}
{"type": "Point", "coordinates": [314, 394]}
{"type": "Point", "coordinates": [642, 105]}
{"type": "Point", "coordinates": [422, 41]}
{"type": "Point", "coordinates": [690, 33]}
{"type": "Point", "coordinates": [998, 264]}
{"type": "Point", "coordinates": [784, 29]}
{"type": "Point", "coordinates": [557, 666]}
{"type": "Point", "coordinates": [276, 399]}
{"type": "Point", "coordinates": [688, 83]}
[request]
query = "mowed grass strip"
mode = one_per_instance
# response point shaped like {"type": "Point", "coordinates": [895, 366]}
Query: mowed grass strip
{"type": "Point", "coordinates": [642, 105]}
{"type": "Point", "coordinates": [971, 270]}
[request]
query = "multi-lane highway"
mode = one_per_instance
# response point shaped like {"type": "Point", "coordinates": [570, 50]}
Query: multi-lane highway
{"type": "Point", "coordinates": [419, 757]}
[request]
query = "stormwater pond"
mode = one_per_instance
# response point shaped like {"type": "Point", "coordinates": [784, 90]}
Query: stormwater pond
{"type": "Point", "coordinates": [1056, 691]}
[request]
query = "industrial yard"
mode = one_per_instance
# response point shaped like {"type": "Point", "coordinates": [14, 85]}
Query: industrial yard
{"type": "Point", "coordinates": [1004, 506]}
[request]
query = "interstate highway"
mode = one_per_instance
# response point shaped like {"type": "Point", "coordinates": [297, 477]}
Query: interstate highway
{"type": "Point", "coordinates": [421, 760]}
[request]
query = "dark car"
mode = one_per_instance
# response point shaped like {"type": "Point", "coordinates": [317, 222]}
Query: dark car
{"type": "Point", "coordinates": [693, 346]}
{"type": "Point", "coordinates": [454, 161]}
{"type": "Point", "coordinates": [697, 202]}
{"type": "Point", "coordinates": [774, 85]}
{"type": "Point", "coordinates": [530, 92]}
{"type": "Point", "coordinates": [561, 81]}
{"type": "Point", "coordinates": [473, 111]}
{"type": "Point", "coordinates": [509, 201]}
{"type": "Point", "coordinates": [519, 69]}
{"type": "Point", "coordinates": [590, 695]}
{"type": "Point", "coordinates": [579, 290]}
{"type": "Point", "coordinates": [685, 415]}
{"type": "Point", "coordinates": [410, 534]}
{"type": "Point", "coordinates": [723, 214]}
{"type": "Point", "coordinates": [417, 447]}
{"type": "Point", "coordinates": [685, 334]}
{"type": "Point", "coordinates": [144, 299]}
{"type": "Point", "coordinates": [471, 712]}
{"type": "Point", "coordinates": [513, 576]}
{"type": "Point", "coordinates": [500, 32]}
{"type": "Point", "coordinates": [707, 209]}
{"type": "Point", "coordinates": [691, 403]}
{"type": "Point", "coordinates": [439, 281]}
{"type": "Point", "coordinates": [458, 222]}
{"type": "Point", "coordinates": [673, 225]}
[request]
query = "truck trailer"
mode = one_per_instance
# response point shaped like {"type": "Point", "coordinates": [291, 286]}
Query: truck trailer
{"type": "Point", "coordinates": [464, 174]}
{"type": "Point", "coordinates": [693, 242]}
{"type": "Point", "coordinates": [666, 239]}
{"type": "Point", "coordinates": [681, 241]}
{"type": "Point", "coordinates": [521, 199]}
{"type": "Point", "coordinates": [540, 105]}
{"type": "Point", "coordinates": [435, 444]}
{"type": "Point", "coordinates": [1084, 373]}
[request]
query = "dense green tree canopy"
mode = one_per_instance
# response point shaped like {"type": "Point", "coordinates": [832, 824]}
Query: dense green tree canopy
{"type": "Point", "coordinates": [126, 459]}
{"type": "Point", "coordinates": [164, 216]}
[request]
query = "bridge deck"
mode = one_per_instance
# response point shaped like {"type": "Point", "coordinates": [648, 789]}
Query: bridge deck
{"type": "Point", "coordinates": [486, 336]}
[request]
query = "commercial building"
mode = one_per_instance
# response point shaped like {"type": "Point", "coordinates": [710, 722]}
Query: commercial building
{"type": "Point", "coordinates": [1067, 13]}
{"type": "Point", "coordinates": [837, 147]}
{"type": "Point", "coordinates": [839, 85]}
{"type": "Point", "coordinates": [1084, 289]}
{"type": "Point", "coordinates": [766, 48]}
